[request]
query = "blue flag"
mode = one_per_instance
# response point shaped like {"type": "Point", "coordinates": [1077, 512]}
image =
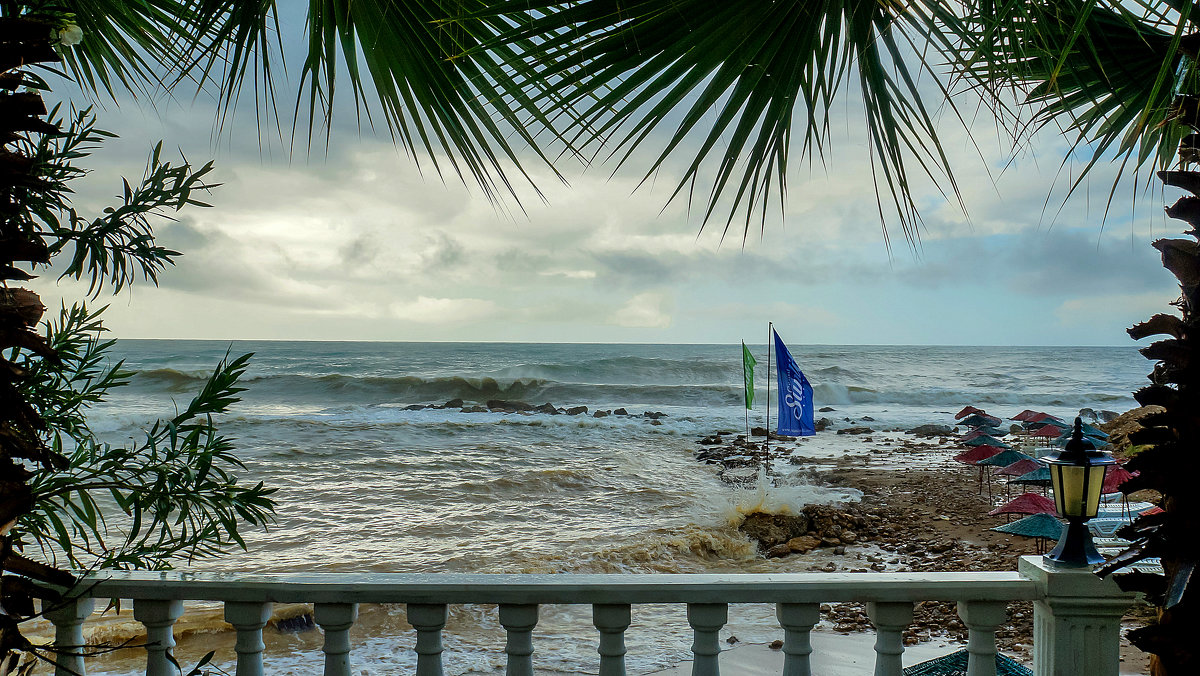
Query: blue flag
{"type": "Point", "coordinates": [795, 395]}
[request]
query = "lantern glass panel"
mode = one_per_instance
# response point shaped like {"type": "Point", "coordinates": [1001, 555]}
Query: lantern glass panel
{"type": "Point", "coordinates": [1095, 483]}
{"type": "Point", "coordinates": [1069, 494]}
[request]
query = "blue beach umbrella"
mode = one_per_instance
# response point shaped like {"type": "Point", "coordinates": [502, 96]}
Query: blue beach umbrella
{"type": "Point", "coordinates": [955, 664]}
{"type": "Point", "coordinates": [1004, 459]}
{"type": "Point", "coordinates": [1041, 526]}
{"type": "Point", "coordinates": [986, 440]}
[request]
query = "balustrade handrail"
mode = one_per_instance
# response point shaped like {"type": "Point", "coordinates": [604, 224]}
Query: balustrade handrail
{"type": "Point", "coordinates": [560, 588]}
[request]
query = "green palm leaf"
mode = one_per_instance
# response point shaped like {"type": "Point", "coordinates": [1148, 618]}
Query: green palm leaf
{"type": "Point", "coordinates": [735, 77]}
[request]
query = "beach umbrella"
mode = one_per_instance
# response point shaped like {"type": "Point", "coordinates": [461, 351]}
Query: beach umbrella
{"type": "Point", "coordinates": [1041, 526]}
{"type": "Point", "coordinates": [1004, 459]}
{"type": "Point", "coordinates": [980, 420]}
{"type": "Point", "coordinates": [1115, 477]}
{"type": "Point", "coordinates": [977, 453]}
{"type": "Point", "coordinates": [1044, 418]}
{"type": "Point", "coordinates": [1093, 431]}
{"type": "Point", "coordinates": [1020, 468]}
{"type": "Point", "coordinates": [1026, 415]}
{"type": "Point", "coordinates": [966, 412]}
{"type": "Point", "coordinates": [1025, 503]}
{"type": "Point", "coordinates": [994, 432]}
{"type": "Point", "coordinates": [955, 664]}
{"type": "Point", "coordinates": [986, 440]}
{"type": "Point", "coordinates": [1038, 477]}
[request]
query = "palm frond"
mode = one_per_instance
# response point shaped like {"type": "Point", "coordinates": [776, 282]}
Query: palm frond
{"type": "Point", "coordinates": [735, 77]}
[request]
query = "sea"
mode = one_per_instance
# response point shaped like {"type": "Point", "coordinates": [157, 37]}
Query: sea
{"type": "Point", "coordinates": [368, 484]}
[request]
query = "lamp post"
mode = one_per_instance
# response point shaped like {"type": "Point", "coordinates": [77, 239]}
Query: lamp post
{"type": "Point", "coordinates": [1077, 476]}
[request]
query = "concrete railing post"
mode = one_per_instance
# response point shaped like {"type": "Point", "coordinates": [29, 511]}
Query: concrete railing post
{"type": "Point", "coordinates": [982, 618]}
{"type": "Point", "coordinates": [428, 619]}
{"type": "Point", "coordinates": [1076, 622]}
{"type": "Point", "coordinates": [890, 620]}
{"type": "Point", "coordinates": [335, 619]}
{"type": "Point", "coordinates": [706, 620]}
{"type": "Point", "coordinates": [159, 616]}
{"type": "Point", "coordinates": [797, 620]}
{"type": "Point", "coordinates": [248, 618]}
{"type": "Point", "coordinates": [519, 621]}
{"type": "Point", "coordinates": [612, 620]}
{"type": "Point", "coordinates": [68, 618]}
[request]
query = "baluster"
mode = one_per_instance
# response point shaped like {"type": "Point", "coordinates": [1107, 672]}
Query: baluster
{"type": "Point", "coordinates": [428, 619]}
{"type": "Point", "coordinates": [706, 620]}
{"type": "Point", "coordinates": [248, 618]}
{"type": "Point", "coordinates": [612, 619]}
{"type": "Point", "coordinates": [982, 618]}
{"type": "Point", "coordinates": [159, 615]}
{"type": "Point", "coordinates": [68, 617]}
{"type": "Point", "coordinates": [889, 619]}
{"type": "Point", "coordinates": [797, 620]}
{"type": "Point", "coordinates": [335, 619]}
{"type": "Point", "coordinates": [519, 620]}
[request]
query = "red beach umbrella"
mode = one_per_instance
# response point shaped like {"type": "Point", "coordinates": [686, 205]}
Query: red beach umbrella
{"type": "Point", "coordinates": [1049, 431]}
{"type": "Point", "coordinates": [976, 454]}
{"type": "Point", "coordinates": [1019, 468]}
{"type": "Point", "coordinates": [1025, 503]}
{"type": "Point", "coordinates": [1116, 476]}
{"type": "Point", "coordinates": [1026, 415]}
{"type": "Point", "coordinates": [966, 412]}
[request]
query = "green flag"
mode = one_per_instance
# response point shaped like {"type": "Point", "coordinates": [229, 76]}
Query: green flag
{"type": "Point", "coordinates": [748, 363]}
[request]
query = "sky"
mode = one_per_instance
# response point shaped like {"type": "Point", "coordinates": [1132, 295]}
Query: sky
{"type": "Point", "coordinates": [357, 243]}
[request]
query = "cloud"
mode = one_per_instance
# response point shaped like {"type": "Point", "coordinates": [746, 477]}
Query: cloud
{"type": "Point", "coordinates": [645, 310]}
{"type": "Point", "coordinates": [426, 310]}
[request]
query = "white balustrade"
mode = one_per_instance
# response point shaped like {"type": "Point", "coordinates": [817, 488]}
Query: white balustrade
{"type": "Point", "coordinates": [982, 618]}
{"type": "Point", "coordinates": [706, 620]}
{"type": "Point", "coordinates": [335, 619]}
{"type": "Point", "coordinates": [1076, 616]}
{"type": "Point", "coordinates": [68, 618]}
{"type": "Point", "coordinates": [248, 618]}
{"type": "Point", "coordinates": [159, 616]}
{"type": "Point", "coordinates": [611, 620]}
{"type": "Point", "coordinates": [519, 620]}
{"type": "Point", "coordinates": [890, 618]}
{"type": "Point", "coordinates": [797, 620]}
{"type": "Point", "coordinates": [428, 619]}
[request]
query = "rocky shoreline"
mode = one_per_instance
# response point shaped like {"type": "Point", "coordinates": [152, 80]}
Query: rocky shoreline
{"type": "Point", "coordinates": [912, 518]}
{"type": "Point", "coordinates": [526, 408]}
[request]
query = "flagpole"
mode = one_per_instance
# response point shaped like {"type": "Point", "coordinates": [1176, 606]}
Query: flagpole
{"type": "Point", "coordinates": [767, 443]}
{"type": "Point", "coordinates": [743, 382]}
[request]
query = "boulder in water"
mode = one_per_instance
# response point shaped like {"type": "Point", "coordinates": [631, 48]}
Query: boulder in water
{"type": "Point", "coordinates": [758, 431]}
{"type": "Point", "coordinates": [855, 430]}
{"type": "Point", "coordinates": [931, 431]}
{"type": "Point", "coordinates": [770, 530]}
{"type": "Point", "coordinates": [826, 409]}
{"type": "Point", "coordinates": [474, 409]}
{"type": "Point", "coordinates": [415, 407]}
{"type": "Point", "coordinates": [453, 403]}
{"type": "Point", "coordinates": [508, 406]}
{"type": "Point", "coordinates": [576, 410]}
{"type": "Point", "coordinates": [822, 425]}
{"type": "Point", "coordinates": [620, 411]}
{"type": "Point", "coordinates": [600, 414]}
{"type": "Point", "coordinates": [547, 408]}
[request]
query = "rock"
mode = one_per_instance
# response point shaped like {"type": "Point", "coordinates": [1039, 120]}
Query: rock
{"type": "Point", "coordinates": [777, 644]}
{"type": "Point", "coordinates": [576, 410]}
{"type": "Point", "coordinates": [855, 430]}
{"type": "Point", "coordinates": [773, 529]}
{"type": "Point", "coordinates": [654, 415]}
{"type": "Point", "coordinates": [655, 422]}
{"type": "Point", "coordinates": [508, 406]}
{"type": "Point", "coordinates": [547, 408]}
{"type": "Point", "coordinates": [474, 409]}
{"type": "Point", "coordinates": [803, 544]}
{"type": "Point", "coordinates": [848, 537]}
{"type": "Point", "coordinates": [840, 551]}
{"type": "Point", "coordinates": [758, 431]}
{"type": "Point", "coordinates": [600, 414]}
{"type": "Point", "coordinates": [1122, 426]}
{"type": "Point", "coordinates": [731, 640]}
{"type": "Point", "coordinates": [415, 407]}
{"type": "Point", "coordinates": [931, 430]}
{"type": "Point", "coordinates": [620, 411]}
{"type": "Point", "coordinates": [868, 418]}
{"type": "Point", "coordinates": [822, 424]}
{"type": "Point", "coordinates": [1107, 416]}
{"type": "Point", "coordinates": [830, 542]}
{"type": "Point", "coordinates": [826, 409]}
{"type": "Point", "coordinates": [778, 551]}
{"type": "Point", "coordinates": [453, 403]}
{"type": "Point", "coordinates": [711, 441]}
